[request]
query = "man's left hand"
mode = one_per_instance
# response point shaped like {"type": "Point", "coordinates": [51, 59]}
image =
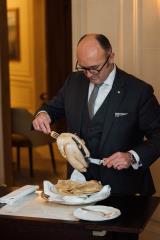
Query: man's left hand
{"type": "Point", "coordinates": [118, 160]}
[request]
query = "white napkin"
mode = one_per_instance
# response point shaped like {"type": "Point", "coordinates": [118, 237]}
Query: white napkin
{"type": "Point", "coordinates": [52, 194]}
{"type": "Point", "coordinates": [94, 197]}
{"type": "Point", "coordinates": [104, 193]}
{"type": "Point", "coordinates": [50, 190]}
{"type": "Point", "coordinates": [77, 176]}
{"type": "Point", "coordinates": [18, 194]}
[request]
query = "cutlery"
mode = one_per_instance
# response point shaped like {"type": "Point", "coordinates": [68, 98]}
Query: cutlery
{"type": "Point", "coordinates": [93, 160]}
{"type": "Point", "coordinates": [100, 212]}
{"type": "Point", "coordinates": [54, 134]}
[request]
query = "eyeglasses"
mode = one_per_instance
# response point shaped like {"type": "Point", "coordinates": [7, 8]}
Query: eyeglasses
{"type": "Point", "coordinates": [92, 70]}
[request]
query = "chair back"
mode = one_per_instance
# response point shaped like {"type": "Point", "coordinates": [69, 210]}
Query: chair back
{"type": "Point", "coordinates": [21, 123]}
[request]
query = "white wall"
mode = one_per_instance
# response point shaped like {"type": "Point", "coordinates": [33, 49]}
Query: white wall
{"type": "Point", "coordinates": [133, 29]}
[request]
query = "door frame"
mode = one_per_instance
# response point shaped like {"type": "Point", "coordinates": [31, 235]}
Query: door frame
{"type": "Point", "coordinates": [5, 118]}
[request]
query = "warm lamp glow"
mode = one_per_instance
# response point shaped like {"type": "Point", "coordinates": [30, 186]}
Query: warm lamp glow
{"type": "Point", "coordinates": [158, 6]}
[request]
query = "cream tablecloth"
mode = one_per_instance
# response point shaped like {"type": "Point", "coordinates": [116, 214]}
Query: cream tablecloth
{"type": "Point", "coordinates": [34, 205]}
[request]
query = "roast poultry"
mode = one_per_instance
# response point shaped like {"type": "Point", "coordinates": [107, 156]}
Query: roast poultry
{"type": "Point", "coordinates": [68, 145]}
{"type": "Point", "coordinates": [70, 187]}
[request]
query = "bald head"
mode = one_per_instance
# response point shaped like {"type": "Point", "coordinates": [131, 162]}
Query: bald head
{"type": "Point", "coordinates": [100, 38]}
{"type": "Point", "coordinates": [93, 46]}
{"type": "Point", "coordinates": [93, 52]}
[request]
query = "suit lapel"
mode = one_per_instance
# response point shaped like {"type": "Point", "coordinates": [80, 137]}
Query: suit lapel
{"type": "Point", "coordinates": [115, 99]}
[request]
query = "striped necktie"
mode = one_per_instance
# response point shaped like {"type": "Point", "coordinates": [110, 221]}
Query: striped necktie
{"type": "Point", "coordinates": [92, 100]}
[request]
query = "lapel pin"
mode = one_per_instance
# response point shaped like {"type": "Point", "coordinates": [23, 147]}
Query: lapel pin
{"type": "Point", "coordinates": [118, 92]}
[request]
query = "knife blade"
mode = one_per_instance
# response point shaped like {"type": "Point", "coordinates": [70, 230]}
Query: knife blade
{"type": "Point", "coordinates": [88, 159]}
{"type": "Point", "coordinates": [94, 160]}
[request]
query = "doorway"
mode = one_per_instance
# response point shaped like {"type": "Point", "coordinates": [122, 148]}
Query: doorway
{"type": "Point", "coordinates": [58, 43]}
{"type": "Point", "coordinates": [58, 47]}
{"type": "Point", "coordinates": [59, 64]}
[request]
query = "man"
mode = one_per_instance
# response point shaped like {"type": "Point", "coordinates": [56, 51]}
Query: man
{"type": "Point", "coordinates": [123, 128]}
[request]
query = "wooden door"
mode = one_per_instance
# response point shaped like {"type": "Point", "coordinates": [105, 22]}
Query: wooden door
{"type": "Point", "coordinates": [58, 46]}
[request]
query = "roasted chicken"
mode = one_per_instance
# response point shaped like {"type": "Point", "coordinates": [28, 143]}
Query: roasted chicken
{"type": "Point", "coordinates": [68, 146]}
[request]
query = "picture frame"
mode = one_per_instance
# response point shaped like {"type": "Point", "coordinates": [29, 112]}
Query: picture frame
{"type": "Point", "coordinates": [13, 34]}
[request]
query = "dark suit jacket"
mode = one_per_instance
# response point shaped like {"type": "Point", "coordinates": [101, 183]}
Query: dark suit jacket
{"type": "Point", "coordinates": [138, 129]}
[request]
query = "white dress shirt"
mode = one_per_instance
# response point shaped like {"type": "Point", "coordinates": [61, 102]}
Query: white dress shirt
{"type": "Point", "coordinates": [103, 90]}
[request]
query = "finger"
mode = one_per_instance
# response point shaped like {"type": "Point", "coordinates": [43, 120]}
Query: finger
{"type": "Point", "coordinates": [44, 122]}
{"type": "Point", "coordinates": [35, 124]}
{"type": "Point", "coordinates": [123, 160]}
{"type": "Point", "coordinates": [109, 161]}
{"type": "Point", "coordinates": [121, 165]}
{"type": "Point", "coordinates": [41, 124]}
{"type": "Point", "coordinates": [114, 160]}
{"type": "Point", "coordinates": [44, 127]}
{"type": "Point", "coordinates": [106, 163]}
{"type": "Point", "coordinates": [111, 158]}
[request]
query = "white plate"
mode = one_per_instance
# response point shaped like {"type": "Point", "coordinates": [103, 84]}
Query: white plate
{"type": "Point", "coordinates": [75, 200]}
{"type": "Point", "coordinates": [96, 213]}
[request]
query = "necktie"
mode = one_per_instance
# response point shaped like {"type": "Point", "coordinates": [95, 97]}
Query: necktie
{"type": "Point", "coordinates": [92, 100]}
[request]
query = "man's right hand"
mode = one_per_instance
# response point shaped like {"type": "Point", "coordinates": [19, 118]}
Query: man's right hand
{"type": "Point", "coordinates": [42, 122]}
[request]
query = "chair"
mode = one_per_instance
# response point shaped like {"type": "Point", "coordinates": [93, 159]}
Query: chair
{"type": "Point", "coordinates": [23, 136]}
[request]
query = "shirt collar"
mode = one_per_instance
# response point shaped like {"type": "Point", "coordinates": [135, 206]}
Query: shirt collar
{"type": "Point", "coordinates": [110, 79]}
